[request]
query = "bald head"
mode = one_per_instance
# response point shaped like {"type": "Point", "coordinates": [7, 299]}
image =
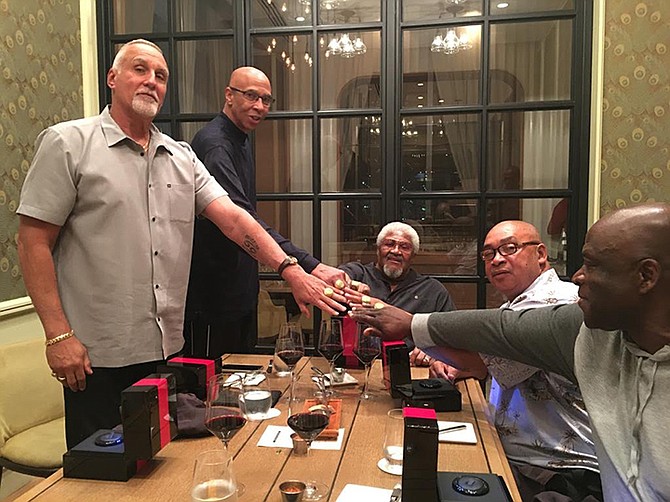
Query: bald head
{"type": "Point", "coordinates": [513, 273]}
{"type": "Point", "coordinates": [248, 98]}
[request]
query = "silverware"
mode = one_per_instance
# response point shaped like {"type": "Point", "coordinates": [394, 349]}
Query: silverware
{"type": "Point", "coordinates": [320, 373]}
{"type": "Point", "coordinates": [397, 492]}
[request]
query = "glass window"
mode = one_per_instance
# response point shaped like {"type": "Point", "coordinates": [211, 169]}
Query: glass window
{"type": "Point", "coordinates": [349, 79]}
{"type": "Point", "coordinates": [205, 15]}
{"type": "Point", "coordinates": [140, 17]}
{"type": "Point", "coordinates": [292, 219]}
{"type": "Point", "coordinates": [284, 156]}
{"type": "Point", "coordinates": [507, 7]}
{"type": "Point", "coordinates": [537, 58]}
{"type": "Point", "coordinates": [463, 294]}
{"type": "Point", "coordinates": [188, 129]}
{"type": "Point", "coordinates": [528, 149]}
{"type": "Point", "coordinates": [347, 11]}
{"type": "Point", "coordinates": [204, 69]}
{"type": "Point", "coordinates": [273, 13]}
{"type": "Point", "coordinates": [351, 154]}
{"type": "Point", "coordinates": [441, 66]}
{"type": "Point", "coordinates": [430, 10]}
{"type": "Point", "coordinates": [440, 152]}
{"type": "Point", "coordinates": [287, 60]}
{"type": "Point", "coordinates": [447, 229]}
{"type": "Point", "coordinates": [349, 230]}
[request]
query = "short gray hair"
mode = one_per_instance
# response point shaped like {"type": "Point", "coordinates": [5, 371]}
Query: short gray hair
{"type": "Point", "coordinates": [404, 228]}
{"type": "Point", "coordinates": [119, 55]}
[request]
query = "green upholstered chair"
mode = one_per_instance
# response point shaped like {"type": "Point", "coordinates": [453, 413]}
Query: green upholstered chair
{"type": "Point", "coordinates": [32, 416]}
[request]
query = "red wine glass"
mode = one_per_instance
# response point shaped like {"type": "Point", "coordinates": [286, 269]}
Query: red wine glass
{"type": "Point", "coordinates": [290, 348]}
{"type": "Point", "coordinates": [367, 348]}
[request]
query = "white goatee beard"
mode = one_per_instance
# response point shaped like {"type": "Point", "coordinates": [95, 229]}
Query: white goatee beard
{"type": "Point", "coordinates": [144, 107]}
{"type": "Point", "coordinates": [392, 272]}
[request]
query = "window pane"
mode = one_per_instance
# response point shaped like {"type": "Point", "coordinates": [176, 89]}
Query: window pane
{"type": "Point", "coordinates": [205, 15]}
{"type": "Point", "coordinates": [188, 130]}
{"type": "Point", "coordinates": [447, 229]}
{"type": "Point", "coordinates": [284, 156]}
{"type": "Point", "coordinates": [204, 69]}
{"type": "Point", "coordinates": [434, 77]}
{"type": "Point", "coordinates": [292, 82]}
{"type": "Point", "coordinates": [140, 17]}
{"type": "Point", "coordinates": [291, 218]}
{"type": "Point", "coordinates": [464, 295]}
{"type": "Point", "coordinates": [350, 82]}
{"type": "Point", "coordinates": [549, 217]}
{"type": "Point", "coordinates": [276, 305]}
{"type": "Point", "coordinates": [345, 12]}
{"type": "Point", "coordinates": [440, 152]}
{"type": "Point", "coordinates": [528, 149]}
{"type": "Point", "coordinates": [429, 10]}
{"type": "Point", "coordinates": [349, 230]}
{"type": "Point", "coordinates": [271, 13]}
{"type": "Point", "coordinates": [535, 58]}
{"type": "Point", "coordinates": [494, 299]}
{"type": "Point", "coordinates": [500, 7]}
{"type": "Point", "coordinates": [351, 154]}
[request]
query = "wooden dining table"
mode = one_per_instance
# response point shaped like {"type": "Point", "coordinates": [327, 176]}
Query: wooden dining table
{"type": "Point", "coordinates": [167, 477]}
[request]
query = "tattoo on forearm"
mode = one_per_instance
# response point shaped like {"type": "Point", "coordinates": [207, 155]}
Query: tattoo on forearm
{"type": "Point", "coordinates": [250, 245]}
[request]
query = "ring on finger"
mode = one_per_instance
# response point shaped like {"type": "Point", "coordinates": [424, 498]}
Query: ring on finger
{"type": "Point", "coordinates": [61, 378]}
{"type": "Point", "coordinates": [328, 292]}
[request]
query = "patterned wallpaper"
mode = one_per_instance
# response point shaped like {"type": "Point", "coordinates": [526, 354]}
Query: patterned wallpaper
{"type": "Point", "coordinates": [40, 84]}
{"type": "Point", "coordinates": [636, 107]}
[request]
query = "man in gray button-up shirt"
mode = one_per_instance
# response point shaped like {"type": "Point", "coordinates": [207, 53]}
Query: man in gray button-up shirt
{"type": "Point", "coordinates": [105, 236]}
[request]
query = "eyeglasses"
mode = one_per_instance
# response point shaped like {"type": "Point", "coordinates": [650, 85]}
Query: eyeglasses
{"type": "Point", "coordinates": [252, 96]}
{"type": "Point", "coordinates": [506, 249]}
{"type": "Point", "coordinates": [405, 247]}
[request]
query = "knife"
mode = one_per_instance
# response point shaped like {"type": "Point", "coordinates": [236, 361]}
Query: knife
{"type": "Point", "coordinates": [396, 495]}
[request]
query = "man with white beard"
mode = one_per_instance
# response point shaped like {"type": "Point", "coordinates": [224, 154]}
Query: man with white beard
{"type": "Point", "coordinates": [392, 279]}
{"type": "Point", "coordinates": [105, 236]}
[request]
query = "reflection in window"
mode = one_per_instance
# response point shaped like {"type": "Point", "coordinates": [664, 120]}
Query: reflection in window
{"type": "Point", "coordinates": [204, 69]}
{"type": "Point", "coordinates": [287, 60]}
{"type": "Point", "coordinates": [505, 8]}
{"type": "Point", "coordinates": [440, 152]}
{"type": "Point", "coordinates": [528, 149]}
{"type": "Point", "coordinates": [538, 55]}
{"type": "Point", "coordinates": [292, 219]}
{"type": "Point", "coordinates": [140, 17]}
{"type": "Point", "coordinates": [435, 78]}
{"type": "Point", "coordinates": [351, 154]}
{"type": "Point", "coordinates": [205, 15]}
{"type": "Point", "coordinates": [284, 156]}
{"type": "Point", "coordinates": [429, 10]}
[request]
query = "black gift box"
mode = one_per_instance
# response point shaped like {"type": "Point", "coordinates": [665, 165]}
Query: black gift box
{"type": "Point", "coordinates": [149, 415]}
{"type": "Point", "coordinates": [395, 364]}
{"type": "Point", "coordinates": [419, 461]}
{"type": "Point", "coordinates": [443, 395]}
{"type": "Point", "coordinates": [192, 374]}
{"type": "Point", "coordinates": [87, 460]}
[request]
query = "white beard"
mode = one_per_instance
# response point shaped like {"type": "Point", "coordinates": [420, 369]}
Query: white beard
{"type": "Point", "coordinates": [392, 272]}
{"type": "Point", "coordinates": [145, 106]}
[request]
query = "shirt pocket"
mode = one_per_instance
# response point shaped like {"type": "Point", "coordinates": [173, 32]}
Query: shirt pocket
{"type": "Point", "coordinates": [182, 202]}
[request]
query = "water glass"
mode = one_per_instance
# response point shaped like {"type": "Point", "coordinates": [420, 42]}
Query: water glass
{"type": "Point", "coordinates": [256, 398]}
{"type": "Point", "coordinates": [213, 478]}
{"type": "Point", "coordinates": [393, 441]}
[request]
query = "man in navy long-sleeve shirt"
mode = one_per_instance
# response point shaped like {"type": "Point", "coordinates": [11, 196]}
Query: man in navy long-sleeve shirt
{"type": "Point", "coordinates": [223, 286]}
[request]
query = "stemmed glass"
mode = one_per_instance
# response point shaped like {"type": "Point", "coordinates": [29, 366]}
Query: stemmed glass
{"type": "Point", "coordinates": [290, 348]}
{"type": "Point", "coordinates": [367, 348]}
{"type": "Point", "coordinates": [223, 416]}
{"type": "Point", "coordinates": [330, 341]}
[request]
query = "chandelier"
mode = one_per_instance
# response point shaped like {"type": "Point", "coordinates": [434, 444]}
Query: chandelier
{"type": "Point", "coordinates": [288, 52]}
{"type": "Point", "coordinates": [344, 46]}
{"type": "Point", "coordinates": [451, 43]}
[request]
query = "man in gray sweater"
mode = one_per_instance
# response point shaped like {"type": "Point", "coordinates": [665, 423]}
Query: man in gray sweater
{"type": "Point", "coordinates": [615, 343]}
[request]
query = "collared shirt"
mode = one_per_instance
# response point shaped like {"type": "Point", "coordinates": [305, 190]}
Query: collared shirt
{"type": "Point", "coordinates": [227, 154]}
{"type": "Point", "coordinates": [124, 249]}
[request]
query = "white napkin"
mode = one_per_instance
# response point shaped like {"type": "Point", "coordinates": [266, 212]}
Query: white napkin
{"type": "Point", "coordinates": [466, 435]}
{"type": "Point", "coordinates": [277, 436]}
{"type": "Point", "coordinates": [248, 378]}
{"type": "Point", "coordinates": [348, 380]}
{"type": "Point", "coordinates": [356, 493]}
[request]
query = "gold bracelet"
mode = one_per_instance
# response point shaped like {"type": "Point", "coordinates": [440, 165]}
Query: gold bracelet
{"type": "Point", "coordinates": [59, 338]}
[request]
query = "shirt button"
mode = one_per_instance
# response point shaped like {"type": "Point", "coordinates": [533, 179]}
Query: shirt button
{"type": "Point", "coordinates": [141, 154]}
{"type": "Point", "coordinates": [158, 319]}
{"type": "Point", "coordinates": [156, 286]}
{"type": "Point", "coordinates": [153, 219]}
{"type": "Point", "coordinates": [155, 253]}
{"type": "Point", "coordinates": [149, 185]}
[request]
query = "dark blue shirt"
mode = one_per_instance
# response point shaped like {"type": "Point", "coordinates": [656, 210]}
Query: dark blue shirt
{"type": "Point", "coordinates": [224, 278]}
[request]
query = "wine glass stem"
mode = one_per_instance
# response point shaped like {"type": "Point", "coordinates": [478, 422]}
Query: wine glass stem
{"type": "Point", "coordinates": [367, 379]}
{"type": "Point", "coordinates": [290, 393]}
{"type": "Point", "coordinates": [332, 368]}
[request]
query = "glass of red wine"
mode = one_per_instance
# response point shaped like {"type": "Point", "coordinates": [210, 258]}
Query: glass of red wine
{"type": "Point", "coordinates": [308, 425]}
{"type": "Point", "coordinates": [330, 342]}
{"type": "Point", "coordinates": [223, 416]}
{"type": "Point", "coordinates": [367, 348]}
{"type": "Point", "coordinates": [290, 348]}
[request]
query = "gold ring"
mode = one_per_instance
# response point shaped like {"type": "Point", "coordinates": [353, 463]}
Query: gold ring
{"type": "Point", "coordinates": [53, 374]}
{"type": "Point", "coordinates": [365, 300]}
{"type": "Point", "coordinates": [339, 284]}
{"type": "Point", "coordinates": [379, 306]}
{"type": "Point", "coordinates": [328, 292]}
{"type": "Point", "coordinates": [61, 378]}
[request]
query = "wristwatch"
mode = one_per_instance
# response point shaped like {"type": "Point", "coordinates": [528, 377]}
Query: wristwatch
{"type": "Point", "coordinates": [288, 261]}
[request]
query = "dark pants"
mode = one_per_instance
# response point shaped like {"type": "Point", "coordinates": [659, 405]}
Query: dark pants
{"type": "Point", "coordinates": [213, 336]}
{"type": "Point", "coordinates": [565, 485]}
{"type": "Point", "coordinates": [98, 406]}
